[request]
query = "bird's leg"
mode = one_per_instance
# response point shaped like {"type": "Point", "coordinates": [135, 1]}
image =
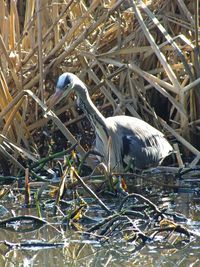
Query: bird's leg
{"type": "Point", "coordinates": [108, 154]}
{"type": "Point", "coordinates": [130, 165]}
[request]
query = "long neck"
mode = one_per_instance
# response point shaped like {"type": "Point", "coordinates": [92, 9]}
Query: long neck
{"type": "Point", "coordinates": [97, 120]}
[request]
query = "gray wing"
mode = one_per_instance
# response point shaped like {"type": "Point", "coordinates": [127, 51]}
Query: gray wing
{"type": "Point", "coordinates": [144, 152]}
{"type": "Point", "coordinates": [140, 142]}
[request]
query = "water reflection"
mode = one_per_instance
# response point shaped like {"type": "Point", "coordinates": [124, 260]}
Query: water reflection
{"type": "Point", "coordinates": [79, 251]}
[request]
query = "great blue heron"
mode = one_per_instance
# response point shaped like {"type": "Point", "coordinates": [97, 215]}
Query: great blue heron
{"type": "Point", "coordinates": [120, 139]}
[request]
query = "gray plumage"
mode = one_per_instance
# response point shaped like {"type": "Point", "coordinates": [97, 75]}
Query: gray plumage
{"type": "Point", "coordinates": [120, 139]}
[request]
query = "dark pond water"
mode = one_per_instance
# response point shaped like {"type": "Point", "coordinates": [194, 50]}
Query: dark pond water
{"type": "Point", "coordinates": [180, 196]}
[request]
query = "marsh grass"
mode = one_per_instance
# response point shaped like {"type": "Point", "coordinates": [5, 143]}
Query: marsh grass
{"type": "Point", "coordinates": [136, 58]}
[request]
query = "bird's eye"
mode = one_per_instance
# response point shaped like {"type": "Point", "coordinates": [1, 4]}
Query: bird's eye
{"type": "Point", "coordinates": [65, 86]}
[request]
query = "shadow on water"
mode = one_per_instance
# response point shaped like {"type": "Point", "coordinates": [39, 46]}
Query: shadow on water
{"type": "Point", "coordinates": [76, 249]}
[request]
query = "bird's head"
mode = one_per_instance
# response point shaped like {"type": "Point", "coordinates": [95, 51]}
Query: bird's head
{"type": "Point", "coordinates": [65, 84]}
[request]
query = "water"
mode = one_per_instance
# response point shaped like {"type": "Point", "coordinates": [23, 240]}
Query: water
{"type": "Point", "coordinates": [181, 196]}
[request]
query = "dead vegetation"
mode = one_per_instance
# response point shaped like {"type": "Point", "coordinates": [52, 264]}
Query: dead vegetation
{"type": "Point", "coordinates": [138, 58]}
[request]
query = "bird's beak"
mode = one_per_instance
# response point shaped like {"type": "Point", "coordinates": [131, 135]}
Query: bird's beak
{"type": "Point", "coordinates": [54, 99]}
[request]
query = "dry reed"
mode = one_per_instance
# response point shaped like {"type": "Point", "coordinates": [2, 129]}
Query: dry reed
{"type": "Point", "coordinates": [137, 57]}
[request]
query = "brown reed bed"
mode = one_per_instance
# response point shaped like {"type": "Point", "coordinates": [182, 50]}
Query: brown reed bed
{"type": "Point", "coordinates": [136, 58]}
